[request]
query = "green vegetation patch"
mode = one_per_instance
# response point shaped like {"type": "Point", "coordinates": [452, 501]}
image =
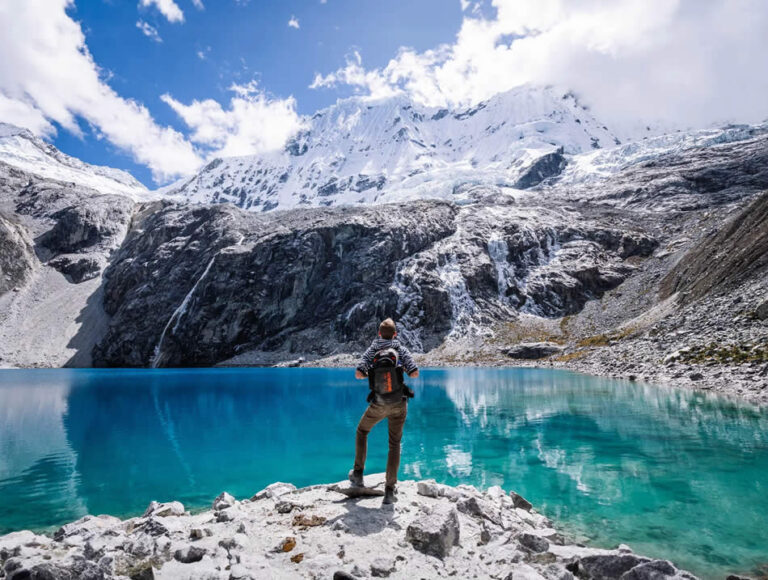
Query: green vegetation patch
{"type": "Point", "coordinates": [730, 354]}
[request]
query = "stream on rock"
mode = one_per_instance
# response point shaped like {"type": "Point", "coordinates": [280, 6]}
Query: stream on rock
{"type": "Point", "coordinates": [674, 474]}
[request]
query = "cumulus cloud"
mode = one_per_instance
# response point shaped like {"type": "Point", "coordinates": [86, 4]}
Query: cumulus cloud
{"type": "Point", "coordinates": [374, 83]}
{"type": "Point", "coordinates": [253, 123]}
{"type": "Point", "coordinates": [48, 75]}
{"type": "Point", "coordinates": [686, 62]}
{"type": "Point", "coordinates": [294, 22]}
{"type": "Point", "coordinates": [167, 8]}
{"type": "Point", "coordinates": [149, 30]}
{"type": "Point", "coordinates": [198, 4]}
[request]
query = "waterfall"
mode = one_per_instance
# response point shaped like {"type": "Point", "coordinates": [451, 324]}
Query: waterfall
{"type": "Point", "coordinates": [177, 314]}
{"type": "Point", "coordinates": [498, 250]}
{"type": "Point", "coordinates": [182, 308]}
{"type": "Point", "coordinates": [463, 308]}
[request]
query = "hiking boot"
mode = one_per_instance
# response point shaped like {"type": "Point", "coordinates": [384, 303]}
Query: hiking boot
{"type": "Point", "coordinates": [389, 495]}
{"type": "Point", "coordinates": [356, 478]}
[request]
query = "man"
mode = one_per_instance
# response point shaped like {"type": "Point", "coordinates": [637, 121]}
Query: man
{"type": "Point", "coordinates": [383, 364]}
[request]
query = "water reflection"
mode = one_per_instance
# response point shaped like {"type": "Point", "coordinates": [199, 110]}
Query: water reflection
{"type": "Point", "coordinates": [613, 461]}
{"type": "Point", "coordinates": [37, 463]}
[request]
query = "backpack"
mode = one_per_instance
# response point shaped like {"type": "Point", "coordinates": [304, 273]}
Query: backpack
{"type": "Point", "coordinates": [385, 378]}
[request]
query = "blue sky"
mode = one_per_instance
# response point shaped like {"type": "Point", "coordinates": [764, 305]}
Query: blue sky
{"type": "Point", "coordinates": [160, 87]}
{"type": "Point", "coordinates": [242, 42]}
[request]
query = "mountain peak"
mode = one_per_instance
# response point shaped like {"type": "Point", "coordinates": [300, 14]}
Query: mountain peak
{"type": "Point", "coordinates": [20, 148]}
{"type": "Point", "coordinates": [372, 151]}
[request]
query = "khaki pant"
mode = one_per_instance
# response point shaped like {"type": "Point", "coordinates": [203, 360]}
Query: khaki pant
{"type": "Point", "coordinates": [395, 415]}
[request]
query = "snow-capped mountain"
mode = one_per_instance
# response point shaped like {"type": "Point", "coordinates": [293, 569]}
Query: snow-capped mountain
{"type": "Point", "coordinates": [359, 151]}
{"type": "Point", "coordinates": [23, 150]}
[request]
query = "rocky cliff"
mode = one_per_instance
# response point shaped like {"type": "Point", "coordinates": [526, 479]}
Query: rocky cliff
{"type": "Point", "coordinates": [433, 531]}
{"type": "Point", "coordinates": [317, 281]}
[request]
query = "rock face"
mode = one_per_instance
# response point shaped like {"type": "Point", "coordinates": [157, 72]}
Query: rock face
{"type": "Point", "coordinates": [17, 255]}
{"type": "Point", "coordinates": [55, 240]}
{"type": "Point", "coordinates": [545, 167]}
{"type": "Point", "coordinates": [327, 536]}
{"type": "Point", "coordinates": [734, 253]}
{"type": "Point", "coordinates": [79, 227]}
{"type": "Point", "coordinates": [200, 285]}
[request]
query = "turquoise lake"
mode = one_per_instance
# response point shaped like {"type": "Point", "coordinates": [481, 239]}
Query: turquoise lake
{"type": "Point", "coordinates": [674, 474]}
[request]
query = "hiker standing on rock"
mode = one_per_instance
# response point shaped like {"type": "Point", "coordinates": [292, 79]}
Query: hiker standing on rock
{"type": "Point", "coordinates": [383, 363]}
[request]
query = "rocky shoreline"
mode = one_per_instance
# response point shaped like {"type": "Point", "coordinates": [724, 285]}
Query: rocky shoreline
{"type": "Point", "coordinates": [745, 382]}
{"type": "Point", "coordinates": [326, 531]}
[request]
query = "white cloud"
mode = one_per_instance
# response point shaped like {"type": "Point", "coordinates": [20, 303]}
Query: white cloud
{"type": "Point", "coordinates": [373, 83]}
{"type": "Point", "coordinates": [198, 4]}
{"type": "Point", "coordinates": [48, 76]}
{"type": "Point", "coordinates": [294, 22]}
{"type": "Point", "coordinates": [203, 53]}
{"type": "Point", "coordinates": [24, 114]}
{"type": "Point", "coordinates": [149, 30]}
{"type": "Point", "coordinates": [682, 61]}
{"type": "Point", "coordinates": [167, 8]}
{"type": "Point", "coordinates": [254, 123]}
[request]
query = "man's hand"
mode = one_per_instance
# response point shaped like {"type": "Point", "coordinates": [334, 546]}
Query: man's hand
{"type": "Point", "coordinates": [359, 374]}
{"type": "Point", "coordinates": [414, 374]}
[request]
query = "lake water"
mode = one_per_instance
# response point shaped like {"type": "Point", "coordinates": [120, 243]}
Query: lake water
{"type": "Point", "coordinates": [674, 474]}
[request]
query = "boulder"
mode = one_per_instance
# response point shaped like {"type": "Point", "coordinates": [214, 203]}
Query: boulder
{"type": "Point", "coordinates": [428, 488]}
{"type": "Point", "coordinates": [189, 555]}
{"type": "Point", "coordinates": [274, 490]}
{"type": "Point", "coordinates": [656, 570]}
{"type": "Point", "coordinates": [77, 268]}
{"type": "Point", "coordinates": [479, 508]}
{"type": "Point", "coordinates": [382, 567]}
{"type": "Point", "coordinates": [436, 533]}
{"type": "Point", "coordinates": [520, 502]}
{"type": "Point", "coordinates": [532, 543]}
{"type": "Point", "coordinates": [151, 527]}
{"type": "Point", "coordinates": [163, 510]}
{"type": "Point", "coordinates": [533, 350]}
{"type": "Point", "coordinates": [607, 566]}
{"type": "Point", "coordinates": [223, 501]}
{"type": "Point", "coordinates": [762, 311]}
{"type": "Point", "coordinates": [285, 507]}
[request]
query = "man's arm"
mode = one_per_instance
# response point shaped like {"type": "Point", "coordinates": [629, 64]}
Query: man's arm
{"type": "Point", "coordinates": [366, 361]}
{"type": "Point", "coordinates": [408, 364]}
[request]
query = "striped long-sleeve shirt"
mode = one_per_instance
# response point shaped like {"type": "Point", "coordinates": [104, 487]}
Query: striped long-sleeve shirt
{"type": "Point", "coordinates": [366, 361]}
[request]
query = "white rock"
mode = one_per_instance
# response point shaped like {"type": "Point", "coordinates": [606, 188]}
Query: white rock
{"type": "Point", "coordinates": [496, 493]}
{"type": "Point", "coordinates": [274, 490]}
{"type": "Point", "coordinates": [428, 488]}
{"type": "Point", "coordinates": [223, 501]}
{"type": "Point", "coordinates": [163, 510]}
